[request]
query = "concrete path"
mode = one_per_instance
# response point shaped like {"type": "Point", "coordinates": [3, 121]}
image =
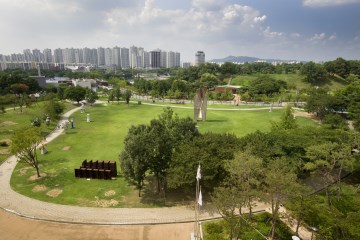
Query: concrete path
{"type": "Point", "coordinates": [21, 205]}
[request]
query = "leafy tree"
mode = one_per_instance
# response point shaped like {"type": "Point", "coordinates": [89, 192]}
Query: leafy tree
{"type": "Point", "coordinates": [327, 157]}
{"type": "Point", "coordinates": [205, 150]}
{"type": "Point", "coordinates": [150, 147]}
{"type": "Point", "coordinates": [75, 93]}
{"type": "Point", "coordinates": [280, 183]}
{"type": "Point", "coordinates": [335, 121]}
{"type": "Point", "coordinates": [91, 96]}
{"type": "Point", "coordinates": [340, 66]}
{"type": "Point", "coordinates": [127, 96]}
{"type": "Point", "coordinates": [266, 85]}
{"type": "Point", "coordinates": [227, 201]}
{"type": "Point", "coordinates": [24, 145]}
{"type": "Point", "coordinates": [20, 90]}
{"type": "Point", "coordinates": [245, 173]}
{"type": "Point", "coordinates": [53, 109]}
{"type": "Point", "coordinates": [117, 94]}
{"type": "Point", "coordinates": [322, 103]}
{"type": "Point", "coordinates": [313, 73]}
{"type": "Point", "coordinates": [287, 120]}
{"type": "Point", "coordinates": [208, 80]}
{"type": "Point", "coordinates": [134, 157]}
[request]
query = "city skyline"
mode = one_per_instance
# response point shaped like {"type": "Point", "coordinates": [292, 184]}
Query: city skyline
{"type": "Point", "coordinates": [317, 30]}
{"type": "Point", "coordinates": [132, 57]}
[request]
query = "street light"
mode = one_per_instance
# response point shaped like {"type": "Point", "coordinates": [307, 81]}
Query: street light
{"type": "Point", "coordinates": [313, 229]}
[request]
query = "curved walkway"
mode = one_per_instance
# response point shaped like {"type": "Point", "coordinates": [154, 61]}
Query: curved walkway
{"type": "Point", "coordinates": [24, 206]}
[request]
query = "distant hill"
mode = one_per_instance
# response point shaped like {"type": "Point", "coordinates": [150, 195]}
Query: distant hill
{"type": "Point", "coordinates": [243, 59]}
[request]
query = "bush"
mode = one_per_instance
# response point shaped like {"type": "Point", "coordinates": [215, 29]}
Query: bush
{"type": "Point", "coordinates": [36, 122]}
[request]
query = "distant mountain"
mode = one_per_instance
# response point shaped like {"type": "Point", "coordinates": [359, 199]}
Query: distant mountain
{"type": "Point", "coordinates": [243, 59]}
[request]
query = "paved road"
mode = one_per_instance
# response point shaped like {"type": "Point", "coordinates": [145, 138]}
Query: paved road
{"type": "Point", "coordinates": [13, 202]}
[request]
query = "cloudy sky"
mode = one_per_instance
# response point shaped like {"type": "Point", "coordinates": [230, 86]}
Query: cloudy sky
{"type": "Point", "coordinates": [287, 29]}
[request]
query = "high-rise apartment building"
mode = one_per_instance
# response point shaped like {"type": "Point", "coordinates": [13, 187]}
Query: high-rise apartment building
{"type": "Point", "coordinates": [58, 55]}
{"type": "Point", "coordinates": [69, 55]}
{"type": "Point", "coordinates": [108, 57]}
{"type": "Point", "coordinates": [47, 55]}
{"type": "Point", "coordinates": [155, 56]}
{"type": "Point", "coordinates": [199, 58]}
{"type": "Point", "coordinates": [79, 56]}
{"type": "Point", "coordinates": [133, 57]}
{"type": "Point", "coordinates": [101, 56]}
{"type": "Point", "coordinates": [116, 56]}
{"type": "Point", "coordinates": [28, 55]}
{"type": "Point", "coordinates": [163, 59]}
{"type": "Point", "coordinates": [38, 57]}
{"type": "Point", "coordinates": [124, 55]}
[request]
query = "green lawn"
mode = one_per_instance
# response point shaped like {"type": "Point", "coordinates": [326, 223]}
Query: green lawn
{"type": "Point", "coordinates": [13, 120]}
{"type": "Point", "coordinates": [291, 78]}
{"type": "Point", "coordinates": [102, 139]}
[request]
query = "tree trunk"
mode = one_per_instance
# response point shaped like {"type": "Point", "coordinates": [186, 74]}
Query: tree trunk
{"type": "Point", "coordinates": [328, 197]}
{"type": "Point", "coordinates": [37, 170]}
{"type": "Point", "coordinates": [250, 208]}
{"type": "Point", "coordinates": [339, 184]}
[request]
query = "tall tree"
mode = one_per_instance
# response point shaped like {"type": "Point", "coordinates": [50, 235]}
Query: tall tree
{"type": "Point", "coordinates": [287, 120]}
{"type": "Point", "coordinates": [20, 90]}
{"type": "Point", "coordinates": [279, 185]}
{"type": "Point", "coordinates": [75, 93]}
{"type": "Point", "coordinates": [313, 73]}
{"type": "Point", "coordinates": [326, 158]}
{"type": "Point", "coordinates": [91, 96]}
{"type": "Point", "coordinates": [24, 145]}
{"type": "Point", "coordinates": [134, 158]}
{"type": "Point", "coordinates": [53, 109]}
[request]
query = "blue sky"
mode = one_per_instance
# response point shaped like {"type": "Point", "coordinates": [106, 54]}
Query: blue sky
{"type": "Point", "coordinates": [288, 29]}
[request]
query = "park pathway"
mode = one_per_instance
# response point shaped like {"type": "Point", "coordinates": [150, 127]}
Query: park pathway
{"type": "Point", "coordinates": [24, 206]}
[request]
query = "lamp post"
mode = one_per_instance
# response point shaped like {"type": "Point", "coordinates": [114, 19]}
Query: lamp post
{"type": "Point", "coordinates": [313, 229]}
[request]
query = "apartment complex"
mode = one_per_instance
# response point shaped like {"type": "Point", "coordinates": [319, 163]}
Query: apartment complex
{"type": "Point", "coordinates": [122, 57]}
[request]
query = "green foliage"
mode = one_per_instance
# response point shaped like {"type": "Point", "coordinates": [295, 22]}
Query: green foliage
{"type": "Point", "coordinates": [91, 96]}
{"type": "Point", "coordinates": [210, 150]}
{"type": "Point", "coordinates": [24, 144]}
{"type": "Point", "coordinates": [151, 146]}
{"type": "Point", "coordinates": [313, 73]}
{"type": "Point", "coordinates": [322, 103]}
{"type": "Point", "coordinates": [287, 120]}
{"type": "Point", "coordinates": [266, 85]}
{"type": "Point", "coordinates": [335, 121]}
{"type": "Point", "coordinates": [75, 93]}
{"type": "Point", "coordinates": [53, 109]}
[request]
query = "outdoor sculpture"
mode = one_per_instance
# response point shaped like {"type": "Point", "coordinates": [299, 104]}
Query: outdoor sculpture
{"type": "Point", "coordinates": [200, 104]}
{"type": "Point", "coordinates": [97, 170]}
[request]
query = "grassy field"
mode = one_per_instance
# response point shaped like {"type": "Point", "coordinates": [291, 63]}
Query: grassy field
{"type": "Point", "coordinates": [102, 139]}
{"type": "Point", "coordinates": [292, 79]}
{"type": "Point", "coordinates": [14, 120]}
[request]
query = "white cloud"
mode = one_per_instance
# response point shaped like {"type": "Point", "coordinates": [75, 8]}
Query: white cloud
{"type": "Point", "coordinates": [208, 5]}
{"type": "Point", "coordinates": [295, 35]}
{"type": "Point", "coordinates": [268, 33]}
{"type": "Point", "coordinates": [327, 3]}
{"type": "Point", "coordinates": [322, 38]}
{"type": "Point", "coordinates": [332, 37]}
